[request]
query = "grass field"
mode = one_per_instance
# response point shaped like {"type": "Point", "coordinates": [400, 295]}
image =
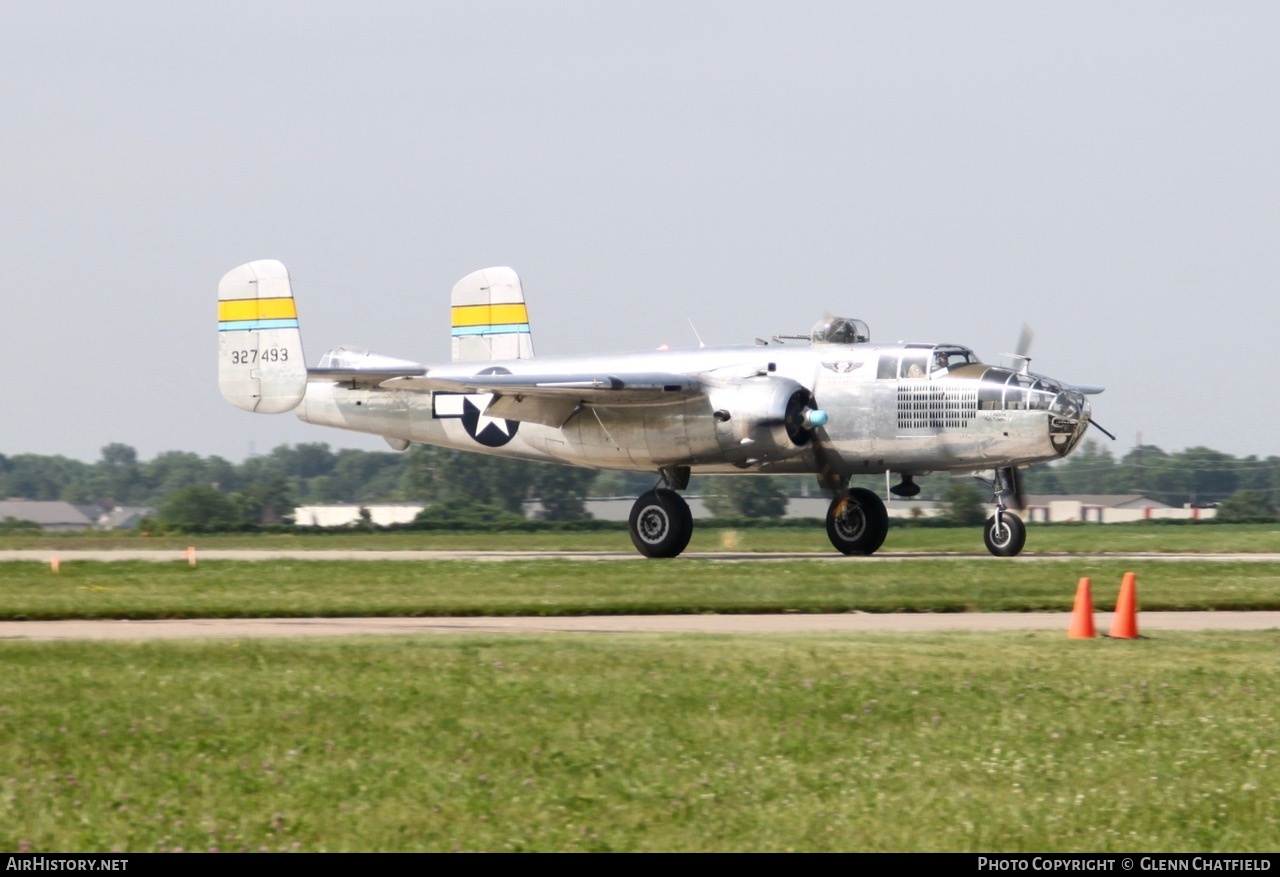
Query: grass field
{"type": "Point", "coordinates": [643, 742]}
{"type": "Point", "coordinates": [1041, 539]}
{"type": "Point", "coordinates": [142, 589]}
{"type": "Point", "coordinates": [957, 742]}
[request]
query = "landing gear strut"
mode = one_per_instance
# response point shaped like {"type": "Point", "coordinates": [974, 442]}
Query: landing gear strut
{"type": "Point", "coordinates": [857, 522]}
{"type": "Point", "coordinates": [1005, 534]}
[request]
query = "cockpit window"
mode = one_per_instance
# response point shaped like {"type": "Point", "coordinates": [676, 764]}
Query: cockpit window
{"type": "Point", "coordinates": [915, 364]}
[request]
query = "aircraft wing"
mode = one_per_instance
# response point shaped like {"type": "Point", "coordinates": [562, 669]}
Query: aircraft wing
{"type": "Point", "coordinates": [552, 398]}
{"type": "Point", "coordinates": [549, 398]}
{"type": "Point", "coordinates": [613, 389]}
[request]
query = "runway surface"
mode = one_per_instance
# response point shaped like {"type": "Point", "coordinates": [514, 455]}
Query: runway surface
{"type": "Point", "coordinates": [1150, 623]}
{"type": "Point", "coordinates": [44, 556]}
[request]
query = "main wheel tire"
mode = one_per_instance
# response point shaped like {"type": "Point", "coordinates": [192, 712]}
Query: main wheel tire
{"type": "Point", "coordinates": [857, 522]}
{"type": "Point", "coordinates": [1005, 540]}
{"type": "Point", "coordinates": [660, 523]}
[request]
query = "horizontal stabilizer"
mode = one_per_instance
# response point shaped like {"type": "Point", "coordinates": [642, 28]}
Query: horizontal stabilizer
{"type": "Point", "coordinates": [260, 363]}
{"type": "Point", "coordinates": [360, 368]}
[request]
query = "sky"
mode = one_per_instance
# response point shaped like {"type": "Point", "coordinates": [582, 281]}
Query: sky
{"type": "Point", "coordinates": [1106, 173]}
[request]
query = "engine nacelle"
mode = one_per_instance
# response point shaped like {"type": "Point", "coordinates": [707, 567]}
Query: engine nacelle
{"type": "Point", "coordinates": [763, 419]}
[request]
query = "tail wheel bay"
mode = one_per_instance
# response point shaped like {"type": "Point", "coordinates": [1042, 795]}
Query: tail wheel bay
{"type": "Point", "coordinates": [1005, 534]}
{"type": "Point", "coordinates": [857, 522]}
{"type": "Point", "coordinates": [660, 523]}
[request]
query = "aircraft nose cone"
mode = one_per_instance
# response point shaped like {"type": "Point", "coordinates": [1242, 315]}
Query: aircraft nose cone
{"type": "Point", "coordinates": [815, 417]}
{"type": "Point", "coordinates": [1070, 421]}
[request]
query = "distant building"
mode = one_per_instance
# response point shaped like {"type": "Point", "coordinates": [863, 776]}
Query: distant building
{"type": "Point", "coordinates": [54, 515]}
{"type": "Point", "coordinates": [1100, 509]}
{"type": "Point", "coordinates": [382, 514]}
{"type": "Point", "coordinates": [124, 517]}
{"type": "Point", "coordinates": [1108, 509]}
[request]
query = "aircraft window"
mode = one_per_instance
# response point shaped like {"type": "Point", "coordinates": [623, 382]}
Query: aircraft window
{"type": "Point", "coordinates": [1017, 393]}
{"type": "Point", "coordinates": [991, 389]}
{"type": "Point", "coordinates": [888, 368]}
{"type": "Point", "coordinates": [915, 363]}
{"type": "Point", "coordinates": [1041, 395]}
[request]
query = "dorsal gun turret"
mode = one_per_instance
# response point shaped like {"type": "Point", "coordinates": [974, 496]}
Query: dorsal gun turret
{"type": "Point", "coordinates": [839, 330]}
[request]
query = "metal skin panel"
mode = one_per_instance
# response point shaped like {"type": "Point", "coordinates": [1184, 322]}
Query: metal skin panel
{"type": "Point", "coordinates": [863, 434]}
{"type": "Point", "coordinates": [261, 367]}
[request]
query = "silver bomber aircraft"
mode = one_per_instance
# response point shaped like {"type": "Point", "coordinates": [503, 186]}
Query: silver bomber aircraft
{"type": "Point", "coordinates": [831, 403]}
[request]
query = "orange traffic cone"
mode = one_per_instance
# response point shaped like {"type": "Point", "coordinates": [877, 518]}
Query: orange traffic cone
{"type": "Point", "coordinates": [1082, 615]}
{"type": "Point", "coordinates": [1125, 625]}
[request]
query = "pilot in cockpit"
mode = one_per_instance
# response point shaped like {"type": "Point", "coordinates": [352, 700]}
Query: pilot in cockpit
{"type": "Point", "coordinates": [939, 363]}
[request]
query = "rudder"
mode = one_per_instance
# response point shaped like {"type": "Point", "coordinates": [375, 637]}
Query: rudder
{"type": "Point", "coordinates": [261, 367]}
{"type": "Point", "coordinates": [490, 319]}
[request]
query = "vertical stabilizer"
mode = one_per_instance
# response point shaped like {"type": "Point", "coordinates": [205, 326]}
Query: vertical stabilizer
{"type": "Point", "coordinates": [490, 320]}
{"type": "Point", "coordinates": [260, 362]}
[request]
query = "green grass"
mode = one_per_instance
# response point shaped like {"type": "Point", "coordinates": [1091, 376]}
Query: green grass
{"type": "Point", "coordinates": [143, 589]}
{"type": "Point", "coordinates": [644, 742]}
{"type": "Point", "coordinates": [1041, 539]}
{"type": "Point", "coordinates": [955, 742]}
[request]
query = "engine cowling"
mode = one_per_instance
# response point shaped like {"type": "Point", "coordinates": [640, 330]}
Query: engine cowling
{"type": "Point", "coordinates": [763, 419]}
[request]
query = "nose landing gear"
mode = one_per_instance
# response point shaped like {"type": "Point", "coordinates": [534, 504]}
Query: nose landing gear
{"type": "Point", "coordinates": [1005, 533]}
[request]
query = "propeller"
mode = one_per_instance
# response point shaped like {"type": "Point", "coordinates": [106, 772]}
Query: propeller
{"type": "Point", "coordinates": [801, 417]}
{"type": "Point", "coordinates": [1024, 341]}
{"type": "Point", "coordinates": [1024, 346]}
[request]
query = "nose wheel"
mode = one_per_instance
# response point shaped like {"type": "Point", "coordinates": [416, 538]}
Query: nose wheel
{"type": "Point", "coordinates": [1005, 534]}
{"type": "Point", "coordinates": [660, 523]}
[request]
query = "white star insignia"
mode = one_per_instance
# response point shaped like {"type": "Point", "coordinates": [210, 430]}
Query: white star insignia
{"type": "Point", "coordinates": [481, 401]}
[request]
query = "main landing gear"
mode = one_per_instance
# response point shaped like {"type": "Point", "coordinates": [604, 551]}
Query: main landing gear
{"type": "Point", "coordinates": [857, 522]}
{"type": "Point", "coordinates": [660, 523]}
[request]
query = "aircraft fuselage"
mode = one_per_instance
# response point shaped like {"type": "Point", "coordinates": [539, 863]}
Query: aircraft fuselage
{"type": "Point", "coordinates": [887, 411]}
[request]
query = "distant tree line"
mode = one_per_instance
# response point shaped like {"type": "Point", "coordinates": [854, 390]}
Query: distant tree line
{"type": "Point", "coordinates": [263, 490]}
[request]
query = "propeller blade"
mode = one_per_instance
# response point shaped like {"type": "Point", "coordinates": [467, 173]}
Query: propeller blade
{"type": "Point", "coordinates": [1024, 345]}
{"type": "Point", "coordinates": [1024, 340]}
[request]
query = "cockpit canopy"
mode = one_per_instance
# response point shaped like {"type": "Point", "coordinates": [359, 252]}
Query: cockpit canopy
{"type": "Point", "coordinates": [839, 330]}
